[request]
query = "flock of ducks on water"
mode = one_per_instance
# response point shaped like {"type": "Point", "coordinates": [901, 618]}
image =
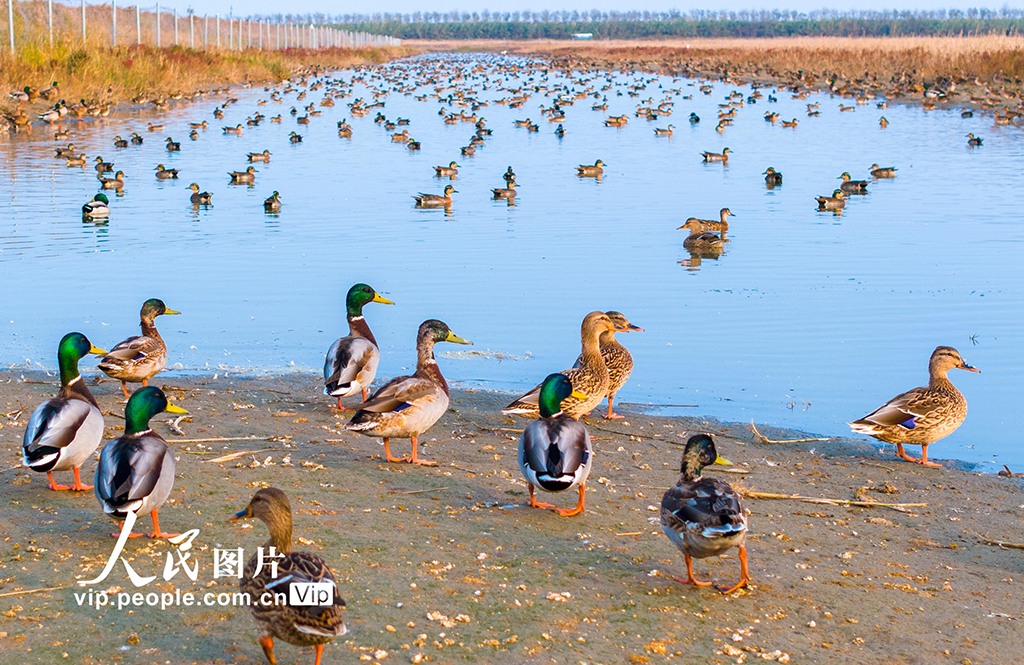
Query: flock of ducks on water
{"type": "Point", "coordinates": [703, 517]}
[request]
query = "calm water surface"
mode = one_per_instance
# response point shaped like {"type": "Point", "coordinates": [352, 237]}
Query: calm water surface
{"type": "Point", "coordinates": [808, 320]}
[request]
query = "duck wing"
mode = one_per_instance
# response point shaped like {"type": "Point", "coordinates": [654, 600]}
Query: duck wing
{"type": "Point", "coordinates": [54, 425]}
{"type": "Point", "coordinates": [294, 569]}
{"type": "Point", "coordinates": [345, 359]}
{"type": "Point", "coordinates": [133, 349]}
{"type": "Point", "coordinates": [399, 393]}
{"type": "Point", "coordinates": [905, 408]}
{"type": "Point", "coordinates": [128, 470]}
{"type": "Point", "coordinates": [554, 449]}
{"type": "Point", "coordinates": [707, 505]}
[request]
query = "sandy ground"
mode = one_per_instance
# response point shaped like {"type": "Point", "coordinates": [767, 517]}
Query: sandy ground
{"type": "Point", "coordinates": [448, 563]}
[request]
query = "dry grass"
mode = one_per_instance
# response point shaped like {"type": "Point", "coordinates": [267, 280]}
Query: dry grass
{"type": "Point", "coordinates": [925, 59]}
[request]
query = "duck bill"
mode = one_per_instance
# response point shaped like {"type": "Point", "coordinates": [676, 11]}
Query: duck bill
{"type": "Point", "coordinates": [629, 327]}
{"type": "Point", "coordinates": [381, 299]}
{"type": "Point", "coordinates": [241, 514]}
{"type": "Point", "coordinates": [95, 350]}
{"type": "Point", "coordinates": [578, 395]}
{"type": "Point", "coordinates": [171, 408]}
{"type": "Point", "coordinates": [721, 461]}
{"type": "Point", "coordinates": [969, 368]}
{"type": "Point", "coordinates": [455, 339]}
{"type": "Point", "coordinates": [171, 311]}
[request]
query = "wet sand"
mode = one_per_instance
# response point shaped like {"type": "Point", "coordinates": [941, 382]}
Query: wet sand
{"type": "Point", "coordinates": [447, 562]}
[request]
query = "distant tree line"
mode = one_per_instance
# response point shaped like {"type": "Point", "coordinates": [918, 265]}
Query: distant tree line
{"type": "Point", "coordinates": [693, 23]}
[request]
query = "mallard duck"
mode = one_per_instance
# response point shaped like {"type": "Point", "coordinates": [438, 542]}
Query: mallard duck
{"type": "Point", "coordinates": [165, 174]}
{"type": "Point", "coordinates": [505, 192]}
{"type": "Point", "coordinates": [704, 517]}
{"type": "Point", "coordinates": [668, 131]}
{"type": "Point", "coordinates": [64, 153]}
{"type": "Point", "coordinates": [117, 182]}
{"type": "Point", "coordinates": [694, 118]}
{"type": "Point", "coordinates": [616, 357]}
{"type": "Point", "coordinates": [882, 122]}
{"type": "Point", "coordinates": [139, 358]}
{"type": "Point", "coordinates": [721, 224]}
{"type": "Point", "coordinates": [835, 202]}
{"type": "Point", "coordinates": [408, 406]}
{"type": "Point", "coordinates": [136, 139]}
{"type": "Point", "coordinates": [120, 142]}
{"type": "Point", "coordinates": [155, 127]}
{"type": "Point", "coordinates": [921, 416]}
{"type": "Point", "coordinates": [295, 138]}
{"type": "Point", "coordinates": [883, 171]}
{"type": "Point", "coordinates": [50, 116]}
{"type": "Point", "coordinates": [716, 156]}
{"type": "Point", "coordinates": [509, 175]}
{"type": "Point", "coordinates": [436, 200]}
{"type": "Point", "coordinates": [699, 240]}
{"type": "Point", "coordinates": [193, 135]}
{"type": "Point", "coordinates": [259, 156]}
{"type": "Point", "coordinates": [102, 166]}
{"type": "Point", "coordinates": [973, 140]}
{"type": "Point", "coordinates": [412, 144]}
{"type": "Point", "coordinates": [237, 129]}
{"type": "Point", "coordinates": [966, 114]}
{"type": "Point", "coordinates": [26, 94]}
{"type": "Point", "coordinates": [772, 178]}
{"type": "Point", "coordinates": [351, 362]}
{"type": "Point", "coordinates": [246, 177]}
{"type": "Point", "coordinates": [199, 198]}
{"type": "Point", "coordinates": [301, 625]}
{"type": "Point", "coordinates": [589, 378]}
{"type": "Point", "coordinates": [590, 170]}
{"type": "Point", "coordinates": [449, 171]}
{"type": "Point", "coordinates": [790, 123]}
{"type": "Point", "coordinates": [554, 451]}
{"type": "Point", "coordinates": [75, 162]}
{"type": "Point", "coordinates": [65, 431]}
{"type": "Point", "coordinates": [99, 206]}
{"type": "Point", "coordinates": [197, 125]}
{"type": "Point", "coordinates": [51, 91]}
{"type": "Point", "coordinates": [136, 470]}
{"type": "Point", "coordinates": [852, 186]}
{"type": "Point", "coordinates": [172, 145]}
{"type": "Point", "coordinates": [273, 203]}
{"type": "Point", "coordinates": [559, 131]}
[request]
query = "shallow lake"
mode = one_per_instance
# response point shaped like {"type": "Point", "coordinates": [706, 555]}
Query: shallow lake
{"type": "Point", "coordinates": [808, 320]}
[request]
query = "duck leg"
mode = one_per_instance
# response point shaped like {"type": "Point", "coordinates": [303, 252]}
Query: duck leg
{"type": "Point", "coordinates": [78, 486]}
{"type": "Point", "coordinates": [53, 484]}
{"type": "Point", "coordinates": [319, 649]}
{"type": "Point", "coordinates": [145, 383]}
{"type": "Point", "coordinates": [902, 453]}
{"type": "Point", "coordinates": [690, 579]}
{"type": "Point", "coordinates": [267, 642]}
{"type": "Point", "coordinates": [339, 404]}
{"type": "Point", "coordinates": [579, 505]}
{"type": "Point", "coordinates": [533, 500]}
{"type": "Point", "coordinates": [364, 396]}
{"type": "Point", "coordinates": [157, 533]}
{"type": "Point", "coordinates": [611, 415]}
{"type": "Point", "coordinates": [387, 452]}
{"type": "Point", "coordinates": [124, 389]}
{"type": "Point", "coordinates": [744, 574]}
{"type": "Point", "coordinates": [415, 459]}
{"type": "Point", "coordinates": [924, 457]}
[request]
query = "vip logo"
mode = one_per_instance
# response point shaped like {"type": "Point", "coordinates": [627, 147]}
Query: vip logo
{"type": "Point", "coordinates": [312, 594]}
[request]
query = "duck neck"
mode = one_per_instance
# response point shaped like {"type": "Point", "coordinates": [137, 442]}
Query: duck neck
{"type": "Point", "coordinates": [280, 533]}
{"type": "Point", "coordinates": [149, 328]}
{"type": "Point", "coordinates": [592, 350]}
{"type": "Point", "coordinates": [136, 418]}
{"type": "Point", "coordinates": [426, 365]}
{"type": "Point", "coordinates": [937, 379]}
{"type": "Point", "coordinates": [608, 340]}
{"type": "Point", "coordinates": [357, 326]}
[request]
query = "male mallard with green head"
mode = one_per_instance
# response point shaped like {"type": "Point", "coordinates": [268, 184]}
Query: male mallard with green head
{"type": "Point", "coordinates": [924, 415]}
{"type": "Point", "coordinates": [704, 517]}
{"type": "Point", "coordinates": [407, 406]}
{"type": "Point", "coordinates": [772, 178]}
{"type": "Point", "coordinates": [835, 202]}
{"type": "Point", "coordinates": [351, 362]}
{"type": "Point", "coordinates": [301, 625]}
{"type": "Point", "coordinates": [436, 200]}
{"type": "Point", "coordinates": [589, 378]}
{"type": "Point", "coordinates": [99, 206]}
{"type": "Point", "coordinates": [273, 203]}
{"type": "Point", "coordinates": [136, 470]}
{"type": "Point", "coordinates": [65, 431]}
{"type": "Point", "coordinates": [138, 359]}
{"type": "Point", "coordinates": [852, 186]}
{"type": "Point", "coordinates": [554, 451]}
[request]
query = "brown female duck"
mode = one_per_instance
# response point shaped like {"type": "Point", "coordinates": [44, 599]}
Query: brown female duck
{"type": "Point", "coordinates": [616, 357]}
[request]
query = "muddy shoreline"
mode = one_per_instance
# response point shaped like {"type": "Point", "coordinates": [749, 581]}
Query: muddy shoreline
{"type": "Point", "coordinates": [415, 548]}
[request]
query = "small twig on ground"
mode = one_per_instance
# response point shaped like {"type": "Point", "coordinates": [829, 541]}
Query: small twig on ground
{"type": "Point", "coordinates": [235, 455]}
{"type": "Point", "coordinates": [631, 533]}
{"type": "Point", "coordinates": [997, 543]}
{"type": "Point", "coordinates": [435, 489]}
{"type": "Point", "coordinates": [843, 502]}
{"type": "Point", "coordinates": [25, 593]}
{"type": "Point", "coordinates": [763, 439]}
{"type": "Point", "coordinates": [220, 439]}
{"type": "Point", "coordinates": [173, 424]}
{"type": "Point", "coordinates": [1006, 473]}
{"type": "Point", "coordinates": [11, 468]}
{"type": "Point", "coordinates": [677, 406]}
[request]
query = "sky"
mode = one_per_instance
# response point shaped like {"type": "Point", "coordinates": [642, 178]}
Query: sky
{"type": "Point", "coordinates": [409, 6]}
